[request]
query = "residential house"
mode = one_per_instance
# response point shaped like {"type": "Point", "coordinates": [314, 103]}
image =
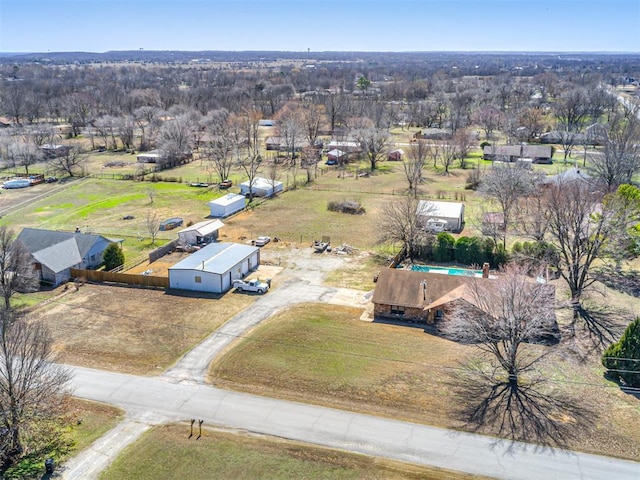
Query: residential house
{"type": "Point", "coordinates": [441, 216]}
{"type": "Point", "coordinates": [492, 223]}
{"type": "Point", "coordinates": [415, 296]}
{"type": "Point", "coordinates": [425, 297]}
{"type": "Point", "coordinates": [55, 151]}
{"type": "Point", "coordinates": [347, 146]}
{"type": "Point", "coordinates": [432, 134]}
{"type": "Point", "coordinates": [55, 253]}
{"type": "Point", "coordinates": [513, 153]}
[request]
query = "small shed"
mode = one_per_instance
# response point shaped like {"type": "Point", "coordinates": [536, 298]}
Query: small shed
{"type": "Point", "coordinates": [336, 155]}
{"type": "Point", "coordinates": [171, 223]}
{"type": "Point", "coordinates": [450, 213]}
{"type": "Point", "coordinates": [395, 155]}
{"type": "Point", "coordinates": [262, 187]}
{"type": "Point", "coordinates": [213, 268]}
{"type": "Point", "coordinates": [153, 156]}
{"type": "Point", "coordinates": [201, 232]}
{"type": "Point", "coordinates": [226, 205]}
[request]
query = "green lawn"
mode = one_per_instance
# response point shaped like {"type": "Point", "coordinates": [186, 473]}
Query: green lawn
{"type": "Point", "coordinates": [166, 452]}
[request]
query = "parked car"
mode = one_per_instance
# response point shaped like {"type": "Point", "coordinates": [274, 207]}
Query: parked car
{"type": "Point", "coordinates": [51, 179]}
{"type": "Point", "coordinates": [261, 241]}
{"type": "Point", "coordinates": [225, 184]}
{"type": "Point", "coordinates": [331, 162]}
{"type": "Point", "coordinates": [257, 286]}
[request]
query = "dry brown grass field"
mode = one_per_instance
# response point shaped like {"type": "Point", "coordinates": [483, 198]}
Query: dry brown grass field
{"type": "Point", "coordinates": [326, 355]}
{"type": "Point", "coordinates": [222, 454]}
{"type": "Point", "coordinates": [132, 330]}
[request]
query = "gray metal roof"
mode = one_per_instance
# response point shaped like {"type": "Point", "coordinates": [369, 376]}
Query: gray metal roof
{"type": "Point", "coordinates": [216, 257]}
{"type": "Point", "coordinates": [60, 256]}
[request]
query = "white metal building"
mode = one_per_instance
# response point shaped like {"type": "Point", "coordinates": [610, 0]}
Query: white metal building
{"type": "Point", "coordinates": [201, 232]}
{"type": "Point", "coordinates": [214, 268]}
{"type": "Point", "coordinates": [262, 187]}
{"type": "Point", "coordinates": [226, 205]}
{"type": "Point", "coordinates": [449, 214]}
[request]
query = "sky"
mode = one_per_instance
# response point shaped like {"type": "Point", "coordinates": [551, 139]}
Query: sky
{"type": "Point", "coordinates": [320, 25]}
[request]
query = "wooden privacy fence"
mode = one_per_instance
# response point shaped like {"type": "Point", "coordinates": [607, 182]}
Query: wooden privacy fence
{"type": "Point", "coordinates": [126, 278]}
{"type": "Point", "coordinates": [162, 251]}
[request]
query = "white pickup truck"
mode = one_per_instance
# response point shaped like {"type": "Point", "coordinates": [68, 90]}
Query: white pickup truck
{"type": "Point", "coordinates": [251, 286]}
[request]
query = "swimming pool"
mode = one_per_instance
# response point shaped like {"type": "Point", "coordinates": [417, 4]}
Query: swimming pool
{"type": "Point", "coordinates": [464, 272]}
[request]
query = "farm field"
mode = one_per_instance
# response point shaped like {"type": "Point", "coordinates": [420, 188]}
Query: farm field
{"type": "Point", "coordinates": [222, 454]}
{"type": "Point", "coordinates": [326, 355]}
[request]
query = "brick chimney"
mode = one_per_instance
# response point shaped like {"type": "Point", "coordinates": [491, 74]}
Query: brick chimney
{"type": "Point", "coordinates": [485, 270]}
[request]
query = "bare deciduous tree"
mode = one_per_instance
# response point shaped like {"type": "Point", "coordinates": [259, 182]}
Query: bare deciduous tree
{"type": "Point", "coordinates": [69, 161]}
{"type": "Point", "coordinates": [619, 159]}
{"type": "Point", "coordinates": [414, 164]}
{"type": "Point", "coordinates": [507, 184]}
{"type": "Point", "coordinates": [290, 127]}
{"type": "Point", "coordinates": [503, 314]}
{"type": "Point", "coordinates": [400, 223]}
{"type": "Point", "coordinates": [24, 154]}
{"type": "Point", "coordinates": [32, 387]}
{"type": "Point", "coordinates": [17, 273]}
{"type": "Point", "coordinates": [373, 141]}
{"type": "Point", "coordinates": [152, 223]}
{"type": "Point", "coordinates": [581, 225]}
{"type": "Point", "coordinates": [176, 137]}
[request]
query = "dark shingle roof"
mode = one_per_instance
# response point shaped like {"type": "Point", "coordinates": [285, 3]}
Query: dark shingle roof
{"type": "Point", "coordinates": [404, 287]}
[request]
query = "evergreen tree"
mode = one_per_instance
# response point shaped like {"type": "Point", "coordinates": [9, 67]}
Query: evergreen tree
{"type": "Point", "coordinates": [622, 358]}
{"type": "Point", "coordinates": [113, 257]}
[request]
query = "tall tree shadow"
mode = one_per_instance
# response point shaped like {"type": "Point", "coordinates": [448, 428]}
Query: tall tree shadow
{"type": "Point", "coordinates": [520, 411]}
{"type": "Point", "coordinates": [602, 324]}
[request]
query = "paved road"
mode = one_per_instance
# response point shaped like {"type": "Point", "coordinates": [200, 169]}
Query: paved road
{"type": "Point", "coordinates": [420, 444]}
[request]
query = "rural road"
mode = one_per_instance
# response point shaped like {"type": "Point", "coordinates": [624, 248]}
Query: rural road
{"type": "Point", "coordinates": [163, 400]}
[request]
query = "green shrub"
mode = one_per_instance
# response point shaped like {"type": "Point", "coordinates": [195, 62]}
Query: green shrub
{"type": "Point", "coordinates": [622, 359]}
{"type": "Point", "coordinates": [443, 250]}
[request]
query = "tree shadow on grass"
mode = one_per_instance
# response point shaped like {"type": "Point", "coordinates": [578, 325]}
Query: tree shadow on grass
{"type": "Point", "coordinates": [519, 411]}
{"type": "Point", "coordinates": [602, 324]}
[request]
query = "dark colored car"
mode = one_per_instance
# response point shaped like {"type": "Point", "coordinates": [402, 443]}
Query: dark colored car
{"type": "Point", "coordinates": [225, 184]}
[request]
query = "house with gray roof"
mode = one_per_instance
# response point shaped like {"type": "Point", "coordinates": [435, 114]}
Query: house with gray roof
{"type": "Point", "coordinates": [55, 253]}
{"type": "Point", "coordinates": [514, 153]}
{"type": "Point", "coordinates": [213, 268]}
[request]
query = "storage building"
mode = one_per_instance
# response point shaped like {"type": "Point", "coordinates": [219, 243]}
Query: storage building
{"type": "Point", "coordinates": [226, 205]}
{"type": "Point", "coordinates": [261, 187]}
{"type": "Point", "coordinates": [201, 232]}
{"type": "Point", "coordinates": [213, 268]}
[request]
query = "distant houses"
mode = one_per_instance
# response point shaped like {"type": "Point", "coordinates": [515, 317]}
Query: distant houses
{"type": "Point", "coordinates": [513, 153]}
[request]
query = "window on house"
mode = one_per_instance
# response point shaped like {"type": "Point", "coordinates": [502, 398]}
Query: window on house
{"type": "Point", "coordinates": [397, 309]}
{"type": "Point", "coordinates": [198, 279]}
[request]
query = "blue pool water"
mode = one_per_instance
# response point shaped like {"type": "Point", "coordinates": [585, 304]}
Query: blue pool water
{"type": "Point", "coordinates": [447, 271]}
